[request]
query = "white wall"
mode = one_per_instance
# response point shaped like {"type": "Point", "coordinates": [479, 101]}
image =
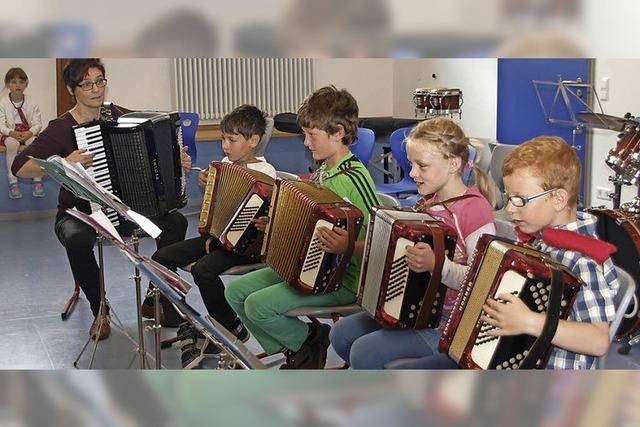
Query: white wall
{"type": "Point", "coordinates": [370, 81]}
{"type": "Point", "coordinates": [624, 96]}
{"type": "Point", "coordinates": [477, 78]}
{"type": "Point", "coordinates": [140, 83]}
{"type": "Point", "coordinates": [42, 82]}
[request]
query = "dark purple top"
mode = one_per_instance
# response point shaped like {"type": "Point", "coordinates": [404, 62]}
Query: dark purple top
{"type": "Point", "coordinates": [57, 139]}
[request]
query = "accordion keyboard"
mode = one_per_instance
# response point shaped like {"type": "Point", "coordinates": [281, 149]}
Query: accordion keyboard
{"type": "Point", "coordinates": [243, 218]}
{"type": "Point", "coordinates": [485, 346]}
{"type": "Point", "coordinates": [397, 279]}
{"type": "Point", "coordinates": [314, 256]}
{"type": "Point", "coordinates": [90, 139]}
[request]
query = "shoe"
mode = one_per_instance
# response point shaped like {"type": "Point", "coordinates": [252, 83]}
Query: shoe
{"type": "Point", "coordinates": [101, 326]}
{"type": "Point", "coordinates": [38, 190]}
{"type": "Point", "coordinates": [195, 346]}
{"type": "Point", "coordinates": [147, 310]}
{"type": "Point", "coordinates": [14, 191]}
{"type": "Point", "coordinates": [313, 352]}
{"type": "Point", "coordinates": [240, 332]}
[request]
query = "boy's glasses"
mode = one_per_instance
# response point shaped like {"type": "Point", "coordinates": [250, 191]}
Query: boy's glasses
{"type": "Point", "coordinates": [521, 201]}
{"type": "Point", "coordinates": [87, 86]}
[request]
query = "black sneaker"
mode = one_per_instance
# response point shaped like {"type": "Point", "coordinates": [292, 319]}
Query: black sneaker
{"type": "Point", "coordinates": [240, 331]}
{"type": "Point", "coordinates": [313, 352]}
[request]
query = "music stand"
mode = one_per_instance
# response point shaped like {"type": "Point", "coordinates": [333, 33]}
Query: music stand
{"type": "Point", "coordinates": [175, 289]}
{"type": "Point", "coordinates": [73, 177]}
{"type": "Point", "coordinates": [569, 94]}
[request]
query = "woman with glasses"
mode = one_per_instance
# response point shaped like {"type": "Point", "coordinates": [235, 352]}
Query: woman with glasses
{"type": "Point", "coordinates": [85, 79]}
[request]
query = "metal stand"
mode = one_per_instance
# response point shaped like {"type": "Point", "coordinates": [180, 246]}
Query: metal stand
{"type": "Point", "coordinates": [104, 304]}
{"type": "Point", "coordinates": [142, 354]}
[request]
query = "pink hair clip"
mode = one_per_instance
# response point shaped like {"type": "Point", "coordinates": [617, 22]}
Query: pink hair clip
{"type": "Point", "coordinates": [469, 165]}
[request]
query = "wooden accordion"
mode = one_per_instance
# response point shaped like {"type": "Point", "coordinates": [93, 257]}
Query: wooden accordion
{"type": "Point", "coordinates": [137, 158]}
{"type": "Point", "coordinates": [298, 209]}
{"type": "Point", "coordinates": [233, 196]}
{"type": "Point", "coordinates": [501, 266]}
{"type": "Point", "coordinates": [393, 295]}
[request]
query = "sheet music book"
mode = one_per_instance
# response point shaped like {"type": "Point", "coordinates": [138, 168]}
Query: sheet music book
{"type": "Point", "coordinates": [76, 179]}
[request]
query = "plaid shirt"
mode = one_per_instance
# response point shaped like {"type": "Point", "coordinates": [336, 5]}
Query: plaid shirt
{"type": "Point", "coordinates": [594, 302]}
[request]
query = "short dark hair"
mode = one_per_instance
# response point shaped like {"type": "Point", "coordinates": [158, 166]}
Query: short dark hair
{"type": "Point", "coordinates": [328, 107]}
{"type": "Point", "coordinates": [15, 73]}
{"type": "Point", "coordinates": [246, 120]}
{"type": "Point", "coordinates": [77, 69]}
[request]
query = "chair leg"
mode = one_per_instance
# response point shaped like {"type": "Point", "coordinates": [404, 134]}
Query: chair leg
{"type": "Point", "coordinates": [71, 302]}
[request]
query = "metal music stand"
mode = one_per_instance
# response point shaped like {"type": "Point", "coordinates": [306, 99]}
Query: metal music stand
{"type": "Point", "coordinates": [116, 322]}
{"type": "Point", "coordinates": [572, 93]}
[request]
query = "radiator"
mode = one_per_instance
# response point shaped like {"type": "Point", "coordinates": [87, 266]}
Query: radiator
{"type": "Point", "coordinates": [212, 87]}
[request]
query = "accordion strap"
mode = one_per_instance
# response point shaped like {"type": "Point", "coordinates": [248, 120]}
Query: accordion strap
{"type": "Point", "coordinates": [436, 276]}
{"type": "Point", "coordinates": [551, 322]}
{"type": "Point", "coordinates": [345, 257]}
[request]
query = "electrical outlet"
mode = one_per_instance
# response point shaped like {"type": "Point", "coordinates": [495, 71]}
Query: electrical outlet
{"type": "Point", "coordinates": [602, 193]}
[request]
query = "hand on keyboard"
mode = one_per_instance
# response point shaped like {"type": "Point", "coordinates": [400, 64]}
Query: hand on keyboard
{"type": "Point", "coordinates": [261, 222]}
{"type": "Point", "coordinates": [80, 156]}
{"type": "Point", "coordinates": [334, 241]}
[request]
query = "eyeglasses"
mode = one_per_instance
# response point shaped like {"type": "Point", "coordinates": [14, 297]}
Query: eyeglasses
{"type": "Point", "coordinates": [88, 85]}
{"type": "Point", "coordinates": [521, 201]}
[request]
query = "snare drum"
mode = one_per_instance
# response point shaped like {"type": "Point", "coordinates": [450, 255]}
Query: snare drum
{"type": "Point", "coordinates": [623, 230]}
{"type": "Point", "coordinates": [624, 158]}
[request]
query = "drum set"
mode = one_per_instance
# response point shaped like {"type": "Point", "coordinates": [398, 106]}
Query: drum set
{"type": "Point", "coordinates": [431, 102]}
{"type": "Point", "coordinates": [621, 225]}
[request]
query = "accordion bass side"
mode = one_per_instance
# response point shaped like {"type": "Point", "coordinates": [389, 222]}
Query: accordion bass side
{"type": "Point", "coordinates": [393, 295]}
{"type": "Point", "coordinates": [233, 197]}
{"type": "Point", "coordinates": [501, 266]}
{"type": "Point", "coordinates": [298, 209]}
{"type": "Point", "coordinates": [138, 159]}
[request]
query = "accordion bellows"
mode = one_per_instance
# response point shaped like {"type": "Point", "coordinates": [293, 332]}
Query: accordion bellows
{"type": "Point", "coordinates": [298, 209]}
{"type": "Point", "coordinates": [233, 196]}
{"type": "Point", "coordinates": [393, 295]}
{"type": "Point", "coordinates": [501, 266]}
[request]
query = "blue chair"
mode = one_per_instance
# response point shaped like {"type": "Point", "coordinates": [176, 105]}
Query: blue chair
{"type": "Point", "coordinates": [363, 145]}
{"type": "Point", "coordinates": [189, 125]}
{"type": "Point", "coordinates": [399, 152]}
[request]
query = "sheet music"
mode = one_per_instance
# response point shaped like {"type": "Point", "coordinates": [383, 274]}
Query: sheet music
{"type": "Point", "coordinates": [75, 178]}
{"type": "Point", "coordinates": [102, 219]}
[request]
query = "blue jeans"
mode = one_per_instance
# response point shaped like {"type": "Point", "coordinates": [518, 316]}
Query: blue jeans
{"type": "Point", "coordinates": [364, 344]}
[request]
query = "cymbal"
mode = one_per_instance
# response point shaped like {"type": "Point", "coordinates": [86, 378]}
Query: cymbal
{"type": "Point", "coordinates": [603, 121]}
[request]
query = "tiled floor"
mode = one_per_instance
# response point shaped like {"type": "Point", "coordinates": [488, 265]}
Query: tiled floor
{"type": "Point", "coordinates": [36, 280]}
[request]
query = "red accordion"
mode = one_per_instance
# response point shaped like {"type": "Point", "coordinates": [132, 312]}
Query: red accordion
{"type": "Point", "coordinates": [393, 295]}
{"type": "Point", "coordinates": [233, 196]}
{"type": "Point", "coordinates": [298, 209]}
{"type": "Point", "coordinates": [501, 266]}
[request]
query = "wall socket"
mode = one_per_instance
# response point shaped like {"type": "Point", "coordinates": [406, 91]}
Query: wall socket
{"type": "Point", "coordinates": [602, 193]}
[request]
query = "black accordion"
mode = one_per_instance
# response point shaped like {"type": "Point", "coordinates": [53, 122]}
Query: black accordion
{"type": "Point", "coordinates": [137, 158]}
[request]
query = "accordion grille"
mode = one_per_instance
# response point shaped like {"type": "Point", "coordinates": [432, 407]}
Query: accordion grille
{"type": "Point", "coordinates": [377, 254]}
{"type": "Point", "coordinates": [296, 202]}
{"type": "Point", "coordinates": [134, 172]}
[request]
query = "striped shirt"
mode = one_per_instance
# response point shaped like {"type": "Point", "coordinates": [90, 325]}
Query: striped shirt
{"type": "Point", "coordinates": [594, 302]}
{"type": "Point", "coordinates": [356, 187]}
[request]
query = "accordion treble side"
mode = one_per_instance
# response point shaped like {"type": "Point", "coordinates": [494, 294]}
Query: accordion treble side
{"type": "Point", "coordinates": [502, 266]}
{"type": "Point", "coordinates": [291, 247]}
{"type": "Point", "coordinates": [138, 159]}
{"type": "Point", "coordinates": [233, 196]}
{"type": "Point", "coordinates": [393, 295]}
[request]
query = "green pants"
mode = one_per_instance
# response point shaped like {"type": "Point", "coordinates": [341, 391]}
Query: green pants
{"type": "Point", "coordinates": [261, 299]}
